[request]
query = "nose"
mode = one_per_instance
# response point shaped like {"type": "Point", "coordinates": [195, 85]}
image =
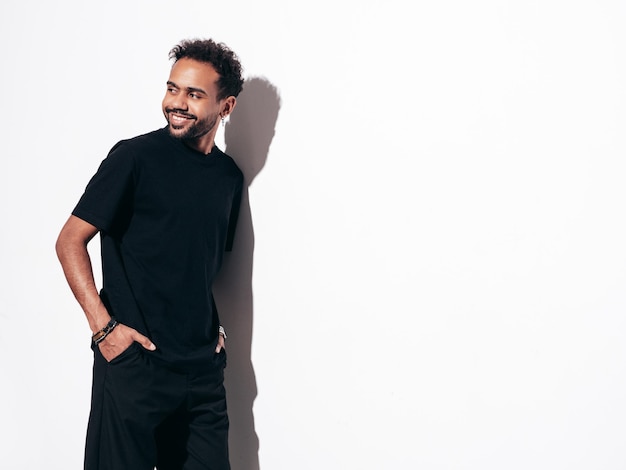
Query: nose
{"type": "Point", "coordinates": [178, 101]}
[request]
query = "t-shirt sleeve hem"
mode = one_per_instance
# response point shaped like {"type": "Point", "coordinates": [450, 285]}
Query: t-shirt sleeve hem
{"type": "Point", "coordinates": [90, 218]}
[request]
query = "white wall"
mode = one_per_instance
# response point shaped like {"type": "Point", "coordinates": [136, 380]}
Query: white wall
{"type": "Point", "coordinates": [431, 267]}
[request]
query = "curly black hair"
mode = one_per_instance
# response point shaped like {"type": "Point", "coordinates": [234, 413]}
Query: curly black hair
{"type": "Point", "coordinates": [225, 62]}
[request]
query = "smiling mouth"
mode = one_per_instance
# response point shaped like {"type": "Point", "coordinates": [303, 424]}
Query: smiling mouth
{"type": "Point", "coordinates": [176, 117]}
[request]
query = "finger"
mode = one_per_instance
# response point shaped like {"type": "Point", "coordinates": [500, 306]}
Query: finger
{"type": "Point", "coordinates": [144, 341]}
{"type": "Point", "coordinates": [220, 344]}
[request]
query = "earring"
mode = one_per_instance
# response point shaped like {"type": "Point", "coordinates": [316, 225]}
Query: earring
{"type": "Point", "coordinates": [223, 121]}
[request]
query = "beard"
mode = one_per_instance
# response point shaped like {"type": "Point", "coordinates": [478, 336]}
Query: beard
{"type": "Point", "coordinates": [195, 129]}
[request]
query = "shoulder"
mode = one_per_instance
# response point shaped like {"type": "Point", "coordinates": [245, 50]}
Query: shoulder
{"type": "Point", "coordinates": [130, 154]}
{"type": "Point", "coordinates": [141, 142]}
{"type": "Point", "coordinates": [228, 162]}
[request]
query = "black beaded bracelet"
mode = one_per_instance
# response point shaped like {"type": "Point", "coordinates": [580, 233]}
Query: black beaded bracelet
{"type": "Point", "coordinates": [100, 335]}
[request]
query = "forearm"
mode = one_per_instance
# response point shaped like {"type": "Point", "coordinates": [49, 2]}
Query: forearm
{"type": "Point", "coordinates": [71, 248]}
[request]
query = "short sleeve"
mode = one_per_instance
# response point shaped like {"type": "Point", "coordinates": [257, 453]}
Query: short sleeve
{"type": "Point", "coordinates": [107, 200]}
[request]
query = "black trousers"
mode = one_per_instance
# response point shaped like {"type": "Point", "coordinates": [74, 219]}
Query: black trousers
{"type": "Point", "coordinates": [144, 415]}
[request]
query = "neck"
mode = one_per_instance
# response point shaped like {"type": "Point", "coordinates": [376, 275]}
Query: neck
{"type": "Point", "coordinates": [204, 148]}
{"type": "Point", "coordinates": [203, 144]}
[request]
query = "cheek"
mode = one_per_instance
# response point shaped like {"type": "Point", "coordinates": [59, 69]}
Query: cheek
{"type": "Point", "coordinates": [197, 110]}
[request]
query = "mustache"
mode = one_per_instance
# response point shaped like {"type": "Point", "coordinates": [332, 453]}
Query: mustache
{"type": "Point", "coordinates": [181, 112]}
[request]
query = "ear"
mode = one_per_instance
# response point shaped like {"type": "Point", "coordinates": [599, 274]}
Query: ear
{"type": "Point", "coordinates": [228, 104]}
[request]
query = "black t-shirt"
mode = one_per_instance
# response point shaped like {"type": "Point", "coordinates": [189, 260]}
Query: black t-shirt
{"type": "Point", "coordinates": [166, 214]}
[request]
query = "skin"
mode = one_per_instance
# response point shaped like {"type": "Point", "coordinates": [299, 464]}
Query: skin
{"type": "Point", "coordinates": [193, 112]}
{"type": "Point", "coordinates": [190, 105]}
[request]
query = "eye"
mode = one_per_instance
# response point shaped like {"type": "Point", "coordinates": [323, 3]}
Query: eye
{"type": "Point", "coordinates": [193, 95]}
{"type": "Point", "coordinates": [171, 89]}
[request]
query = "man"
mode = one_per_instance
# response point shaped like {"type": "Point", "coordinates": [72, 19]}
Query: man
{"type": "Point", "coordinates": [165, 205]}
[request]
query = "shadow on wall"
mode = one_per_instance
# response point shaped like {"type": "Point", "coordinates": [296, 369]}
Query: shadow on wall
{"type": "Point", "coordinates": [248, 135]}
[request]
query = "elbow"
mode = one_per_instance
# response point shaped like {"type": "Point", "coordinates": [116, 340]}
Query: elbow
{"type": "Point", "coordinates": [74, 237]}
{"type": "Point", "coordinates": [60, 246]}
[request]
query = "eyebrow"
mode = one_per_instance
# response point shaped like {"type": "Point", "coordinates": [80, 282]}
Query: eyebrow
{"type": "Point", "coordinates": [189, 89]}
